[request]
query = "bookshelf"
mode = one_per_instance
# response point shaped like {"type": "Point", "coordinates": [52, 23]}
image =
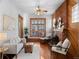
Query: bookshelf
{"type": "Point", "coordinates": [37, 27]}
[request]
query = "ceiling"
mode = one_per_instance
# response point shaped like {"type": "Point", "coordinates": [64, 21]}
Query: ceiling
{"type": "Point", "coordinates": [28, 6]}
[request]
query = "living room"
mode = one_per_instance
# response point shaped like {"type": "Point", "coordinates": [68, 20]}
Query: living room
{"type": "Point", "coordinates": [27, 29]}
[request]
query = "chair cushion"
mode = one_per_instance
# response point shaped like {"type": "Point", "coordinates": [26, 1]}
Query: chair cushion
{"type": "Point", "coordinates": [59, 43]}
{"type": "Point", "coordinates": [66, 43]}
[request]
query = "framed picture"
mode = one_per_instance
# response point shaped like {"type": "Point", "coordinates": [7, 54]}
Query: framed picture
{"type": "Point", "coordinates": [9, 23]}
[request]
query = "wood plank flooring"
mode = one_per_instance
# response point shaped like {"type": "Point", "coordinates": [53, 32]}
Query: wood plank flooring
{"type": "Point", "coordinates": [46, 52]}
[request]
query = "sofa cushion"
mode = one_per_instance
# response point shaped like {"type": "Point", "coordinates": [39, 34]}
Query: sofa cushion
{"type": "Point", "coordinates": [2, 42]}
{"type": "Point", "coordinates": [15, 40]}
{"type": "Point", "coordinates": [12, 41]}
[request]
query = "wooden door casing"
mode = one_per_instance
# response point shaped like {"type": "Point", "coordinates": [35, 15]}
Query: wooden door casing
{"type": "Point", "coordinates": [20, 22]}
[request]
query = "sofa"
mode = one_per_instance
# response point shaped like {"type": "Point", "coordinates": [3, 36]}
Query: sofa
{"type": "Point", "coordinates": [14, 45]}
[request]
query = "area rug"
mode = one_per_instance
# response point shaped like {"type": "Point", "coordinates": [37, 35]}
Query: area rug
{"type": "Point", "coordinates": [34, 55]}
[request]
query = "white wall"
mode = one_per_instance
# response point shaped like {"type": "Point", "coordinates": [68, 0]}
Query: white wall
{"type": "Point", "coordinates": [48, 25]}
{"type": "Point", "coordinates": [26, 21]}
{"type": "Point", "coordinates": [1, 22]}
{"type": "Point", "coordinates": [6, 8]}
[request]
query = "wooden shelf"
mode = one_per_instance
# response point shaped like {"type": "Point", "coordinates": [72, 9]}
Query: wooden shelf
{"type": "Point", "coordinates": [37, 27]}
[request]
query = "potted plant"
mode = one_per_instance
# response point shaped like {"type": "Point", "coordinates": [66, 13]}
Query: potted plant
{"type": "Point", "coordinates": [26, 32]}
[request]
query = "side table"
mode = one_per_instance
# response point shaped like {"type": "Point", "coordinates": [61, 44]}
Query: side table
{"type": "Point", "coordinates": [2, 50]}
{"type": "Point", "coordinates": [28, 47]}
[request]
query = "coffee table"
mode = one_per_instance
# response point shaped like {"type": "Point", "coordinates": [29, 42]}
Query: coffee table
{"type": "Point", "coordinates": [28, 47]}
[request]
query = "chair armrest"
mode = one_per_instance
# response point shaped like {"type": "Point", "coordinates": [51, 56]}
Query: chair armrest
{"type": "Point", "coordinates": [61, 48]}
{"type": "Point", "coordinates": [65, 49]}
{"type": "Point", "coordinates": [23, 40]}
{"type": "Point", "coordinates": [58, 47]}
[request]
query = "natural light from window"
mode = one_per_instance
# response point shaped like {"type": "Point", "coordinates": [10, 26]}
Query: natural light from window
{"type": "Point", "coordinates": [75, 13]}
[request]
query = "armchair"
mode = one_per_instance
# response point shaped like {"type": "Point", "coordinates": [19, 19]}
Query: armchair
{"type": "Point", "coordinates": [62, 48]}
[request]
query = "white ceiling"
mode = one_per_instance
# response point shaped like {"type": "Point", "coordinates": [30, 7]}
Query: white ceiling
{"type": "Point", "coordinates": [28, 6]}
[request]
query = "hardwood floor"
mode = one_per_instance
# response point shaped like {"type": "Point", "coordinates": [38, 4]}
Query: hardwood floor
{"type": "Point", "coordinates": [46, 52]}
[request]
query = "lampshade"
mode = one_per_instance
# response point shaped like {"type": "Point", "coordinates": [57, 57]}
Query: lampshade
{"type": "Point", "coordinates": [3, 36]}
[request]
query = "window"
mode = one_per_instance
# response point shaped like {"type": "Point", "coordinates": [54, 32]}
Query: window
{"type": "Point", "coordinates": [75, 13]}
{"type": "Point", "coordinates": [37, 27]}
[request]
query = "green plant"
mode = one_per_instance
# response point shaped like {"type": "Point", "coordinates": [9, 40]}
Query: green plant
{"type": "Point", "coordinates": [26, 31]}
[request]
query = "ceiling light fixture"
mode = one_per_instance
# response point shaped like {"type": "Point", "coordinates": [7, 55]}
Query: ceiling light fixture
{"type": "Point", "coordinates": [38, 10]}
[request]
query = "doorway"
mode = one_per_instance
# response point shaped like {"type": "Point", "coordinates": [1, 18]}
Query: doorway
{"type": "Point", "coordinates": [20, 23]}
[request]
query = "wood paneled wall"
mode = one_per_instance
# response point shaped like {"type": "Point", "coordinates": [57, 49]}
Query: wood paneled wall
{"type": "Point", "coordinates": [72, 35]}
{"type": "Point", "coordinates": [71, 3]}
{"type": "Point", "coordinates": [61, 12]}
{"type": "Point", "coordinates": [73, 28]}
{"type": "Point", "coordinates": [65, 12]}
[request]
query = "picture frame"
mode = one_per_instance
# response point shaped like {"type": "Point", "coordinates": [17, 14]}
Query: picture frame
{"type": "Point", "coordinates": [9, 23]}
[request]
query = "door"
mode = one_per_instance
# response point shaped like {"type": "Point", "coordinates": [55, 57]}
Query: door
{"type": "Point", "coordinates": [21, 31]}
